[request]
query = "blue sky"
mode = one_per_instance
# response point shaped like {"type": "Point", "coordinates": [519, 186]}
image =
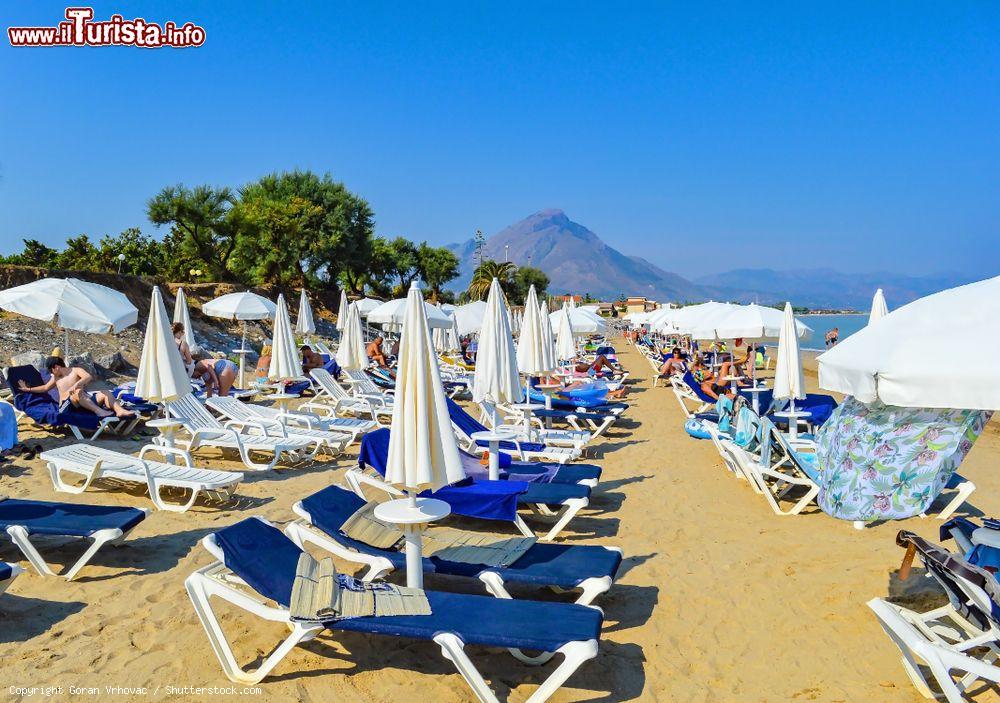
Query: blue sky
{"type": "Point", "coordinates": [857, 135]}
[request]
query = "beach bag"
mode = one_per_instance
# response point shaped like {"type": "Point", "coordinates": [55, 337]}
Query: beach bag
{"type": "Point", "coordinates": [697, 429]}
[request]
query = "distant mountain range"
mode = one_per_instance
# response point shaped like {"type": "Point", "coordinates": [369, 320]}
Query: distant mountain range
{"type": "Point", "coordinates": [578, 261]}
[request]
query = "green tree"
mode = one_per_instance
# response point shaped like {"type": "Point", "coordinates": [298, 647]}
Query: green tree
{"type": "Point", "coordinates": [273, 243]}
{"type": "Point", "coordinates": [204, 217]}
{"type": "Point", "coordinates": [524, 278]}
{"type": "Point", "coordinates": [403, 263]}
{"type": "Point", "coordinates": [483, 277]}
{"type": "Point", "coordinates": [436, 266]}
{"type": "Point", "coordinates": [144, 256]}
{"type": "Point", "coordinates": [34, 254]}
{"type": "Point", "coordinates": [80, 254]}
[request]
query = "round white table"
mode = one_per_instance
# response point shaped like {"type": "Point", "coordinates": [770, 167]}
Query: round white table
{"type": "Point", "coordinates": [167, 427]}
{"type": "Point", "coordinates": [526, 409]}
{"type": "Point", "coordinates": [282, 400]}
{"type": "Point", "coordinates": [412, 515]}
{"type": "Point", "coordinates": [493, 439]}
{"type": "Point", "coordinates": [793, 417]}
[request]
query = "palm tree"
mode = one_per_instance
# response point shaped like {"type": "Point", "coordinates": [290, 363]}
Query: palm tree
{"type": "Point", "coordinates": [484, 275]}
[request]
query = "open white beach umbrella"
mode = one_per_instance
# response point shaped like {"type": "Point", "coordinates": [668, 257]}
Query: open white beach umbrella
{"type": "Point", "coordinates": [366, 305]}
{"type": "Point", "coordinates": [747, 322]}
{"type": "Point", "coordinates": [342, 311]}
{"type": "Point", "coordinates": [72, 304]}
{"type": "Point", "coordinates": [548, 338]}
{"type": "Point", "coordinates": [393, 313]}
{"type": "Point", "coordinates": [581, 322]}
{"type": "Point", "coordinates": [240, 306]}
{"type": "Point", "coordinates": [469, 317]}
{"type": "Point", "coordinates": [565, 344]}
{"type": "Point", "coordinates": [788, 380]}
{"type": "Point", "coordinates": [423, 453]}
{"type": "Point", "coordinates": [183, 316]}
{"type": "Point", "coordinates": [285, 364]}
{"type": "Point", "coordinates": [351, 354]}
{"type": "Point", "coordinates": [496, 378]}
{"type": "Point", "coordinates": [162, 376]}
{"type": "Point", "coordinates": [895, 361]}
{"type": "Point", "coordinates": [879, 308]}
{"type": "Point", "coordinates": [304, 324]}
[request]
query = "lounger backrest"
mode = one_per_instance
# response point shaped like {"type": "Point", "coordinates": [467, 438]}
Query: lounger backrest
{"type": "Point", "coordinates": [374, 451]}
{"type": "Point", "coordinates": [364, 382]}
{"type": "Point", "coordinates": [232, 408]}
{"type": "Point", "coordinates": [695, 387]}
{"type": "Point", "coordinates": [194, 414]}
{"type": "Point", "coordinates": [328, 384]}
{"type": "Point", "coordinates": [465, 423]}
{"type": "Point", "coordinates": [261, 555]}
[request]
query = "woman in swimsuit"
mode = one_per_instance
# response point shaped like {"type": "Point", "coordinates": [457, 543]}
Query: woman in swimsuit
{"type": "Point", "coordinates": [217, 374]}
{"type": "Point", "coordinates": [178, 329]}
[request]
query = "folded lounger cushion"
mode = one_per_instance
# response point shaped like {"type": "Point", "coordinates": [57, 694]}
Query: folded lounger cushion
{"type": "Point", "coordinates": [42, 407]}
{"type": "Point", "coordinates": [587, 567]}
{"type": "Point", "coordinates": [100, 523]}
{"type": "Point", "coordinates": [265, 559]}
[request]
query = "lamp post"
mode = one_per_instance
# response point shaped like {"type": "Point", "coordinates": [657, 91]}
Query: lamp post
{"type": "Point", "coordinates": [121, 260]}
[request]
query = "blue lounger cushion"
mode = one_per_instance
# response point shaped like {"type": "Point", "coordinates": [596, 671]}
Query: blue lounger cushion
{"type": "Point", "coordinates": [470, 425]}
{"type": "Point", "coordinates": [266, 559]}
{"type": "Point", "coordinates": [565, 473]}
{"type": "Point", "coordinates": [66, 519]}
{"type": "Point", "coordinates": [545, 564]}
{"type": "Point", "coordinates": [5, 571]}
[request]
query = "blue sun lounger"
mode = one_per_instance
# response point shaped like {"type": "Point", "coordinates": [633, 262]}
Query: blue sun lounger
{"type": "Point", "coordinates": [8, 572]}
{"type": "Point", "coordinates": [475, 498]}
{"type": "Point", "coordinates": [258, 555]}
{"type": "Point", "coordinates": [591, 569]}
{"type": "Point", "coordinates": [101, 524]}
{"type": "Point", "coordinates": [466, 426]}
{"type": "Point", "coordinates": [588, 404]}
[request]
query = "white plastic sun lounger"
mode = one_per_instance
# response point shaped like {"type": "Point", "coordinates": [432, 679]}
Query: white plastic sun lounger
{"type": "Point", "coordinates": [332, 400]}
{"type": "Point", "coordinates": [297, 419]}
{"type": "Point", "coordinates": [205, 430]}
{"type": "Point", "coordinates": [333, 442]}
{"type": "Point", "coordinates": [456, 619]}
{"type": "Point", "coordinates": [575, 439]}
{"type": "Point", "coordinates": [95, 463]}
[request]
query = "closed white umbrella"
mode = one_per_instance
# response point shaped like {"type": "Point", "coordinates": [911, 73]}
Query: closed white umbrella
{"type": "Point", "coordinates": [72, 304]}
{"type": "Point", "coordinates": [446, 340]}
{"type": "Point", "coordinates": [565, 344]}
{"type": "Point", "coordinates": [285, 364]}
{"type": "Point", "coordinates": [548, 338]}
{"type": "Point", "coordinates": [162, 376]}
{"type": "Point", "coordinates": [879, 308]}
{"type": "Point", "coordinates": [496, 378]}
{"type": "Point", "coordinates": [394, 313]}
{"type": "Point", "coordinates": [240, 306]}
{"type": "Point", "coordinates": [422, 450]}
{"type": "Point", "coordinates": [531, 357]}
{"type": "Point", "coordinates": [183, 316]}
{"type": "Point", "coordinates": [789, 382]}
{"type": "Point", "coordinates": [305, 325]}
{"type": "Point", "coordinates": [342, 311]}
{"type": "Point", "coordinates": [351, 354]}
{"type": "Point", "coordinates": [469, 318]}
{"type": "Point", "coordinates": [895, 361]}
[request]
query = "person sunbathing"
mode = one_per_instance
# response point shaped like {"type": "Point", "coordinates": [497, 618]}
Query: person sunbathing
{"type": "Point", "coordinates": [704, 377]}
{"type": "Point", "coordinates": [218, 375]}
{"type": "Point", "coordinates": [740, 368]}
{"type": "Point", "coordinates": [310, 359]}
{"type": "Point", "coordinates": [263, 366]}
{"type": "Point", "coordinates": [598, 366]}
{"type": "Point", "coordinates": [375, 353]}
{"type": "Point", "coordinates": [673, 365]}
{"type": "Point", "coordinates": [71, 385]}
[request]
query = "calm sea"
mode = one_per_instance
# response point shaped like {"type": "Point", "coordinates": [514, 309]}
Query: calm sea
{"type": "Point", "coordinates": [848, 324]}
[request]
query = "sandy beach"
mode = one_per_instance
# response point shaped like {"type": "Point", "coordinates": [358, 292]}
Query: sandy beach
{"type": "Point", "coordinates": [719, 599]}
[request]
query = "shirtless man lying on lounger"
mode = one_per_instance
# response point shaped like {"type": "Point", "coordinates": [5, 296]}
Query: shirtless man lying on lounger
{"type": "Point", "coordinates": [72, 386]}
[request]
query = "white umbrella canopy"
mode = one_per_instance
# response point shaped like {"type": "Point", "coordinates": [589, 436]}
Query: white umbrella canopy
{"type": "Point", "coordinates": [240, 306]}
{"type": "Point", "coordinates": [72, 304]}
{"type": "Point", "coordinates": [894, 361]}
{"type": "Point", "coordinates": [342, 311]}
{"type": "Point", "coordinates": [305, 325]}
{"type": "Point", "coordinates": [531, 342]}
{"type": "Point", "coordinates": [746, 322]}
{"type": "Point", "coordinates": [366, 305]}
{"type": "Point", "coordinates": [162, 376]}
{"type": "Point", "coordinates": [183, 316]}
{"type": "Point", "coordinates": [423, 453]}
{"type": "Point", "coordinates": [285, 364]}
{"type": "Point", "coordinates": [496, 378]}
{"type": "Point", "coordinates": [879, 308]}
{"type": "Point", "coordinates": [581, 322]}
{"type": "Point", "coordinates": [788, 380]}
{"type": "Point", "coordinates": [698, 319]}
{"type": "Point", "coordinates": [565, 345]}
{"type": "Point", "coordinates": [446, 340]}
{"type": "Point", "coordinates": [394, 313]}
{"type": "Point", "coordinates": [351, 354]}
{"type": "Point", "coordinates": [548, 338]}
{"type": "Point", "coordinates": [470, 317]}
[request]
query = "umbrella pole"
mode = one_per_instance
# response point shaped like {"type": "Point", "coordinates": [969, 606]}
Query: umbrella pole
{"type": "Point", "coordinates": [412, 535]}
{"type": "Point", "coordinates": [793, 421]}
{"type": "Point", "coordinates": [243, 353]}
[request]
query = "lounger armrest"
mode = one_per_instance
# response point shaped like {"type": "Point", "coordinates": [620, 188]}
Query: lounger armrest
{"type": "Point", "coordinates": [165, 450]}
{"type": "Point", "coordinates": [257, 424]}
{"type": "Point", "coordinates": [210, 432]}
{"type": "Point", "coordinates": [299, 418]}
{"type": "Point", "coordinates": [371, 398]}
{"type": "Point", "coordinates": [320, 408]}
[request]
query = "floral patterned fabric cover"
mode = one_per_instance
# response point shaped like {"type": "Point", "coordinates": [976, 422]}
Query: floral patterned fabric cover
{"type": "Point", "coordinates": [878, 462]}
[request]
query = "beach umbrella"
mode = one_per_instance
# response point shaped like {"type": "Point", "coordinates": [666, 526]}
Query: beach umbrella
{"type": "Point", "coordinates": [183, 316]}
{"type": "Point", "coordinates": [565, 345]}
{"type": "Point", "coordinates": [581, 322]}
{"type": "Point", "coordinates": [548, 338]}
{"type": "Point", "coordinates": [531, 357]}
{"type": "Point", "coordinates": [162, 376]}
{"type": "Point", "coordinates": [496, 378]}
{"type": "Point", "coordinates": [747, 322]}
{"type": "Point", "coordinates": [366, 305]}
{"type": "Point", "coordinates": [304, 324]}
{"type": "Point", "coordinates": [789, 382]}
{"type": "Point", "coordinates": [446, 340]}
{"type": "Point", "coordinates": [423, 453]}
{"type": "Point", "coordinates": [392, 314]}
{"type": "Point", "coordinates": [351, 354]}
{"type": "Point", "coordinates": [72, 304]}
{"type": "Point", "coordinates": [342, 311]}
{"type": "Point", "coordinates": [469, 317]}
{"type": "Point", "coordinates": [895, 361]}
{"type": "Point", "coordinates": [285, 363]}
{"type": "Point", "coordinates": [240, 306]}
{"type": "Point", "coordinates": [879, 308]}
